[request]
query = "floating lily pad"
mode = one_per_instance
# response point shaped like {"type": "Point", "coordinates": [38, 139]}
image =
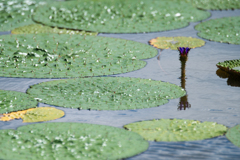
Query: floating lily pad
{"type": "Point", "coordinates": [56, 56]}
{"type": "Point", "coordinates": [122, 16]}
{"type": "Point", "coordinates": [176, 130]}
{"type": "Point", "coordinates": [233, 134]}
{"type": "Point", "coordinates": [11, 101]}
{"type": "Point", "coordinates": [213, 4]}
{"type": "Point", "coordinates": [38, 28]}
{"type": "Point", "coordinates": [174, 42]}
{"type": "Point", "coordinates": [69, 141]}
{"type": "Point", "coordinates": [17, 13]}
{"type": "Point", "coordinates": [34, 114]}
{"type": "Point", "coordinates": [14, 115]}
{"type": "Point", "coordinates": [230, 66]}
{"type": "Point", "coordinates": [42, 114]}
{"type": "Point", "coordinates": [224, 30]}
{"type": "Point", "coordinates": [106, 93]}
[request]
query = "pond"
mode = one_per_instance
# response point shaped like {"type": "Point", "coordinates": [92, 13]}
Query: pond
{"type": "Point", "coordinates": [210, 97]}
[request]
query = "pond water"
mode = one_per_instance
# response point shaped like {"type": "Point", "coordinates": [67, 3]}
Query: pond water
{"type": "Point", "coordinates": [211, 98]}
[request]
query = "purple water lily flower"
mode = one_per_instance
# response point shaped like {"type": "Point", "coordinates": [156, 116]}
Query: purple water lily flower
{"type": "Point", "coordinates": [183, 51]}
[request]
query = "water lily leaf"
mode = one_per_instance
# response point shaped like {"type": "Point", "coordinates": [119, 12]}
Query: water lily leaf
{"type": "Point", "coordinates": [14, 115]}
{"type": "Point", "coordinates": [106, 93]}
{"type": "Point", "coordinates": [38, 28]}
{"type": "Point", "coordinates": [230, 66]}
{"type": "Point", "coordinates": [42, 114]}
{"type": "Point", "coordinates": [213, 4]}
{"type": "Point", "coordinates": [122, 16]}
{"type": "Point", "coordinates": [57, 56]}
{"type": "Point", "coordinates": [71, 141]}
{"type": "Point", "coordinates": [176, 129]}
{"type": "Point", "coordinates": [174, 42]}
{"type": "Point", "coordinates": [34, 114]}
{"type": "Point", "coordinates": [224, 30]}
{"type": "Point", "coordinates": [18, 13]}
{"type": "Point", "coordinates": [11, 101]}
{"type": "Point", "coordinates": [233, 135]}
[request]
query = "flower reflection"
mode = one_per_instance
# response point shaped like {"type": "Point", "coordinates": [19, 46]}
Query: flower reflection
{"type": "Point", "coordinates": [183, 104]}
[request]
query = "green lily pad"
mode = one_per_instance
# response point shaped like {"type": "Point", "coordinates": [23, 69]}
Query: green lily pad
{"type": "Point", "coordinates": [69, 141]}
{"type": "Point", "coordinates": [230, 66]}
{"type": "Point", "coordinates": [38, 28]}
{"type": "Point", "coordinates": [224, 30]}
{"type": "Point", "coordinates": [174, 42]}
{"type": "Point", "coordinates": [106, 93]}
{"type": "Point", "coordinates": [15, 101]}
{"type": "Point", "coordinates": [56, 56]}
{"type": "Point", "coordinates": [233, 134]}
{"type": "Point", "coordinates": [213, 4]}
{"type": "Point", "coordinates": [123, 16]}
{"type": "Point", "coordinates": [42, 114]}
{"type": "Point", "coordinates": [17, 13]}
{"type": "Point", "coordinates": [176, 130]}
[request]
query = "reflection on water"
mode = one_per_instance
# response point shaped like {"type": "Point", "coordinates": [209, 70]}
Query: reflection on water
{"type": "Point", "coordinates": [183, 104]}
{"type": "Point", "coordinates": [233, 80]}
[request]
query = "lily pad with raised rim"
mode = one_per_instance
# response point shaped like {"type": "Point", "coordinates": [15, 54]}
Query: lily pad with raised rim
{"type": "Point", "coordinates": [224, 30]}
{"type": "Point", "coordinates": [174, 42]}
{"type": "Point", "coordinates": [233, 134]}
{"type": "Point", "coordinates": [123, 16]}
{"type": "Point", "coordinates": [38, 28]}
{"type": "Point", "coordinates": [106, 93]}
{"type": "Point", "coordinates": [11, 101]}
{"type": "Point", "coordinates": [57, 56]}
{"type": "Point", "coordinates": [230, 66]}
{"type": "Point", "coordinates": [69, 141]}
{"type": "Point", "coordinates": [176, 129]}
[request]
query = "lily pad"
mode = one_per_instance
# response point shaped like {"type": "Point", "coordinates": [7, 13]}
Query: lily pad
{"type": "Point", "coordinates": [224, 30]}
{"type": "Point", "coordinates": [106, 93]}
{"type": "Point", "coordinates": [213, 4]}
{"type": "Point", "coordinates": [38, 28]}
{"type": "Point", "coordinates": [57, 56]}
{"type": "Point", "coordinates": [122, 16]}
{"type": "Point", "coordinates": [174, 42]}
{"type": "Point", "coordinates": [11, 101]}
{"type": "Point", "coordinates": [14, 115]}
{"type": "Point", "coordinates": [233, 134]}
{"type": "Point", "coordinates": [69, 141]}
{"type": "Point", "coordinates": [34, 114]}
{"type": "Point", "coordinates": [230, 66]}
{"type": "Point", "coordinates": [17, 13]}
{"type": "Point", "coordinates": [176, 129]}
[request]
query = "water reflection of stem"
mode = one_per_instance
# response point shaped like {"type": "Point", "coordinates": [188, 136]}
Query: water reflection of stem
{"type": "Point", "coordinates": [158, 58]}
{"type": "Point", "coordinates": [183, 104]}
